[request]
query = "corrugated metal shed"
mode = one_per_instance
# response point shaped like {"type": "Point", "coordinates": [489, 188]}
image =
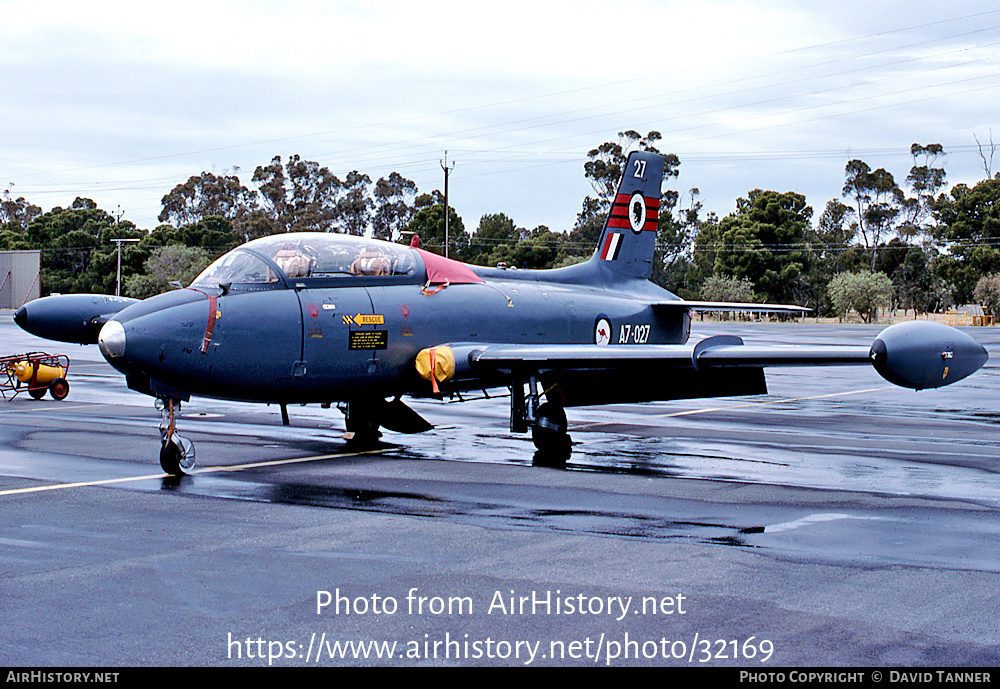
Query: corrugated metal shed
{"type": "Point", "coordinates": [19, 277]}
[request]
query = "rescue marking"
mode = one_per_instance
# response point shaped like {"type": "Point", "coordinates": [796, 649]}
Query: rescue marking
{"type": "Point", "coordinates": [365, 319]}
{"type": "Point", "coordinates": [406, 330]}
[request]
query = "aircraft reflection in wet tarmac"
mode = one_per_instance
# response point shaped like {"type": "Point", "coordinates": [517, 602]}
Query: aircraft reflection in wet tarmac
{"type": "Point", "coordinates": [326, 318]}
{"type": "Point", "coordinates": [641, 520]}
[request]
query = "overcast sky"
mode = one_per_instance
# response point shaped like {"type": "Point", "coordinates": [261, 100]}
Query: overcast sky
{"type": "Point", "coordinates": [121, 101]}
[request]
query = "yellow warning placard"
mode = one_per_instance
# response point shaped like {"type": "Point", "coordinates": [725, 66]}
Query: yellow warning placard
{"type": "Point", "coordinates": [365, 319]}
{"type": "Point", "coordinates": [368, 339]}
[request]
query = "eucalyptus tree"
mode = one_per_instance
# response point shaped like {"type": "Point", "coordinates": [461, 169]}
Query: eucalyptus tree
{"type": "Point", "coordinates": [300, 196]}
{"type": "Point", "coordinates": [207, 195]}
{"type": "Point", "coordinates": [394, 205]}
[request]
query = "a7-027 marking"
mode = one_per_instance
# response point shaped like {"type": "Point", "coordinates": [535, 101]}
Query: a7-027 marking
{"type": "Point", "coordinates": [633, 333]}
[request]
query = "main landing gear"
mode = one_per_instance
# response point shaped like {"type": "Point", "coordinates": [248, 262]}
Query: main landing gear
{"type": "Point", "coordinates": [364, 417]}
{"type": "Point", "coordinates": [362, 420]}
{"type": "Point", "coordinates": [176, 452]}
{"type": "Point", "coordinates": [546, 421]}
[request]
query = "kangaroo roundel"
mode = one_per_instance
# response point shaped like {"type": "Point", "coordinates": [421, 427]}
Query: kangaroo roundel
{"type": "Point", "coordinates": [637, 212]}
{"type": "Point", "coordinates": [602, 332]}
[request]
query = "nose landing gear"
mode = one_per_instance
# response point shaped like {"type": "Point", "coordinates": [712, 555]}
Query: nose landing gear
{"type": "Point", "coordinates": [176, 452]}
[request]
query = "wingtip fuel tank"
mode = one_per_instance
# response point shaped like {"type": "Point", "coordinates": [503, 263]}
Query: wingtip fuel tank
{"type": "Point", "coordinates": [924, 354]}
{"type": "Point", "coordinates": [75, 318]}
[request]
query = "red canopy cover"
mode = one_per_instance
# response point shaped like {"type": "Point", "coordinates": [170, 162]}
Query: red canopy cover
{"type": "Point", "coordinates": [441, 270]}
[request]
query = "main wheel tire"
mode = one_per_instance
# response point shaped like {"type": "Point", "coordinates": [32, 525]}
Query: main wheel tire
{"type": "Point", "coordinates": [362, 423]}
{"type": "Point", "coordinates": [548, 432]}
{"type": "Point", "coordinates": [37, 393]}
{"type": "Point", "coordinates": [59, 388]}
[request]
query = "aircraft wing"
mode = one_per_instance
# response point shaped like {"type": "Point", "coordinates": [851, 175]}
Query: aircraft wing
{"type": "Point", "coordinates": [718, 366]}
{"type": "Point", "coordinates": [915, 354]}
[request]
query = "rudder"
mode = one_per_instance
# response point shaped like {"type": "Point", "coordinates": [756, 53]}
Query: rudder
{"type": "Point", "coordinates": [629, 235]}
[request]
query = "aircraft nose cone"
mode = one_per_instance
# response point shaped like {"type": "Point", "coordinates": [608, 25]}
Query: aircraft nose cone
{"type": "Point", "coordinates": [21, 317]}
{"type": "Point", "coordinates": [112, 340]}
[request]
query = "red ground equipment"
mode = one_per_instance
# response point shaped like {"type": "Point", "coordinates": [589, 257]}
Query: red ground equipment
{"type": "Point", "coordinates": [35, 372]}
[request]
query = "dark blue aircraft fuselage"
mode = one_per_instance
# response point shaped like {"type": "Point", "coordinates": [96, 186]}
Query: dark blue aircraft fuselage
{"type": "Point", "coordinates": [338, 337]}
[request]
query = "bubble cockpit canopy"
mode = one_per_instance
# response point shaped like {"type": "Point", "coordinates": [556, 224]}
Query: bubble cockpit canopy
{"type": "Point", "coordinates": [304, 256]}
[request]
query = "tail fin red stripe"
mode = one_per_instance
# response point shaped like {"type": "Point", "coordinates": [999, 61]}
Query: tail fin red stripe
{"type": "Point", "coordinates": [622, 200]}
{"type": "Point", "coordinates": [628, 240]}
{"type": "Point", "coordinates": [623, 224]}
{"type": "Point", "coordinates": [618, 218]}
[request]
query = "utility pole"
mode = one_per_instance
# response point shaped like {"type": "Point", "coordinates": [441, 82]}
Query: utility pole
{"type": "Point", "coordinates": [447, 171]}
{"type": "Point", "coordinates": [118, 289]}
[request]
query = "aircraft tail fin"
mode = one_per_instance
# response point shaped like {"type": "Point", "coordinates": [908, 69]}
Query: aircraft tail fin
{"type": "Point", "coordinates": [629, 235]}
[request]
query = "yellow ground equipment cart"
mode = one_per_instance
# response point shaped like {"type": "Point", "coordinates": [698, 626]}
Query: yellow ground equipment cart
{"type": "Point", "coordinates": [35, 372]}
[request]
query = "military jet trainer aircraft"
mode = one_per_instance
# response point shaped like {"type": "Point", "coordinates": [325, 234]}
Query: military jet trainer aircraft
{"type": "Point", "coordinates": [329, 318]}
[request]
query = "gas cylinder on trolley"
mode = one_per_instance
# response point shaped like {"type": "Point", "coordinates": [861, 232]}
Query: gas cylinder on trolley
{"type": "Point", "coordinates": [36, 371]}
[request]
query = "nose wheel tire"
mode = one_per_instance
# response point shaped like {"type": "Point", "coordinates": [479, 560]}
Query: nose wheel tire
{"type": "Point", "coordinates": [177, 456]}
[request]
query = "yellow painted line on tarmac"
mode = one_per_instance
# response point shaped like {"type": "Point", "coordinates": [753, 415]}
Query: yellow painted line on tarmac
{"type": "Point", "coordinates": [293, 460]}
{"type": "Point", "coordinates": [56, 406]}
{"type": "Point", "coordinates": [692, 412]}
{"type": "Point", "coordinates": [205, 470]}
{"type": "Point", "coordinates": [81, 484]}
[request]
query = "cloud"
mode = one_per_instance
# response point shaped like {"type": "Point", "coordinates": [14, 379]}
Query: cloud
{"type": "Point", "coordinates": [112, 99]}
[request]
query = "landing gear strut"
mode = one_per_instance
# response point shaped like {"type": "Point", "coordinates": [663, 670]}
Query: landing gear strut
{"type": "Point", "coordinates": [176, 452]}
{"type": "Point", "coordinates": [546, 421]}
{"type": "Point", "coordinates": [361, 417]}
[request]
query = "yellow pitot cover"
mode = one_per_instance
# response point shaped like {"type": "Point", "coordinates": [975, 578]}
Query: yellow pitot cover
{"type": "Point", "coordinates": [436, 364]}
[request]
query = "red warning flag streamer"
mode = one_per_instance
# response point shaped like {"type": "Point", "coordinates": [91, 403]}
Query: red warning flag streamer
{"type": "Point", "coordinates": [213, 308]}
{"type": "Point", "coordinates": [434, 381]}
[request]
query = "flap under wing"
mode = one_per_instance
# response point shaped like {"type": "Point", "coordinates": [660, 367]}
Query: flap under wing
{"type": "Point", "coordinates": [730, 306]}
{"type": "Point", "coordinates": [720, 351]}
